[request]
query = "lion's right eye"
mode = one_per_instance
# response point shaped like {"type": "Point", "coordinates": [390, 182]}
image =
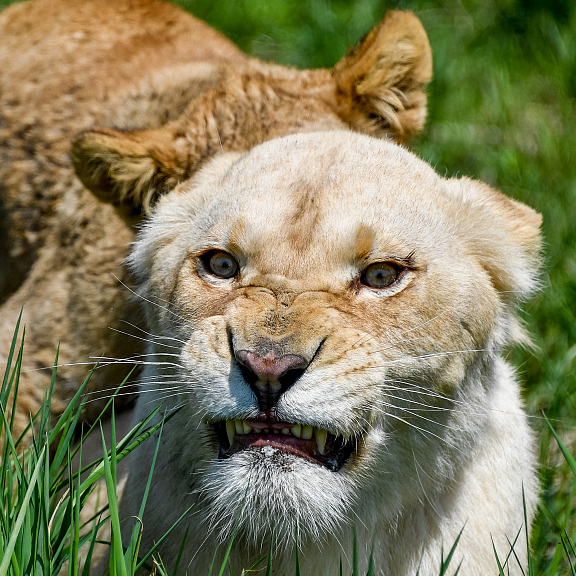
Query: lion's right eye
{"type": "Point", "coordinates": [221, 264]}
{"type": "Point", "coordinates": [380, 275]}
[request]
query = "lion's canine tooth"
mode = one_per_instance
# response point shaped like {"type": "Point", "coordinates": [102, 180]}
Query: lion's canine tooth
{"type": "Point", "coordinates": [307, 432]}
{"type": "Point", "coordinates": [230, 429]}
{"type": "Point", "coordinates": [320, 436]}
{"type": "Point", "coordinates": [247, 429]}
{"type": "Point", "coordinates": [297, 430]}
{"type": "Point", "coordinates": [239, 427]}
{"type": "Point", "coordinates": [285, 430]}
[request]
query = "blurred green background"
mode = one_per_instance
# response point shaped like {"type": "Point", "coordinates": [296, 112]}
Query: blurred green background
{"type": "Point", "coordinates": [501, 109]}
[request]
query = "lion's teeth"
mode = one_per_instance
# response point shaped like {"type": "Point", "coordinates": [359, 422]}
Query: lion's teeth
{"type": "Point", "coordinates": [234, 427]}
{"type": "Point", "coordinates": [320, 436]}
{"type": "Point", "coordinates": [230, 429]}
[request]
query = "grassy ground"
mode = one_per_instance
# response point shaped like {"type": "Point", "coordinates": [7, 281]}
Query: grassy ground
{"type": "Point", "coordinates": [501, 109]}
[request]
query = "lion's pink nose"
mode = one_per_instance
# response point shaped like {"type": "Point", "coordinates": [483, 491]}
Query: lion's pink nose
{"type": "Point", "coordinates": [270, 368]}
{"type": "Point", "coordinates": [270, 375]}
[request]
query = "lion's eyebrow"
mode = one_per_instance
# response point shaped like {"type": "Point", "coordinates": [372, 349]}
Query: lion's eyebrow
{"type": "Point", "coordinates": [408, 261]}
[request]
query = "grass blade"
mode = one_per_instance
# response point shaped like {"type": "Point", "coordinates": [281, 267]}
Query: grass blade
{"type": "Point", "coordinates": [155, 547]}
{"type": "Point", "coordinates": [9, 550]}
{"type": "Point", "coordinates": [445, 563]}
{"type": "Point", "coordinates": [180, 552]}
{"type": "Point", "coordinates": [131, 555]}
{"type": "Point", "coordinates": [117, 565]}
{"type": "Point", "coordinates": [5, 390]}
{"type": "Point", "coordinates": [566, 453]}
{"type": "Point", "coordinates": [500, 569]}
{"type": "Point", "coordinates": [355, 568]}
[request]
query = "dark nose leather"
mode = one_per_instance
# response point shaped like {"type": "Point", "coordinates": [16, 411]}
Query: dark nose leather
{"type": "Point", "coordinates": [270, 375]}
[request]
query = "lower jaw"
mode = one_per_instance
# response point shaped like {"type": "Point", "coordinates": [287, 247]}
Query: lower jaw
{"type": "Point", "coordinates": [334, 458]}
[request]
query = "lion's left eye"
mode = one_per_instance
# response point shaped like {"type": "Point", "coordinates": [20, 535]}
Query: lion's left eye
{"type": "Point", "coordinates": [221, 264]}
{"type": "Point", "coordinates": [380, 275]}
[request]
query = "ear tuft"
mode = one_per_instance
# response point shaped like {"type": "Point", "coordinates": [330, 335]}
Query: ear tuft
{"type": "Point", "coordinates": [382, 82]}
{"type": "Point", "coordinates": [128, 169]}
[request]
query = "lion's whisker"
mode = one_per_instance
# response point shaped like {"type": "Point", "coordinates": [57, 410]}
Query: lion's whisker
{"type": "Point", "coordinates": [133, 361]}
{"type": "Point", "coordinates": [416, 466]}
{"type": "Point", "coordinates": [430, 355]}
{"type": "Point", "coordinates": [411, 413]}
{"type": "Point", "coordinates": [135, 356]}
{"type": "Point", "coordinates": [156, 343]}
{"type": "Point", "coordinates": [108, 396]}
{"type": "Point", "coordinates": [155, 336]}
{"type": "Point", "coordinates": [427, 406]}
{"type": "Point", "coordinates": [177, 316]}
{"type": "Point", "coordinates": [422, 431]}
{"type": "Point", "coordinates": [162, 398]}
{"type": "Point", "coordinates": [420, 391]}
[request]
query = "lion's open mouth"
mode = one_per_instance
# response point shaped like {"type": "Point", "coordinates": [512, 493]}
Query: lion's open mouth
{"type": "Point", "coordinates": [312, 443]}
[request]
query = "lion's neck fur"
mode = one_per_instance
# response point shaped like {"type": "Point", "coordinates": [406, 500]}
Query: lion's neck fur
{"type": "Point", "coordinates": [426, 495]}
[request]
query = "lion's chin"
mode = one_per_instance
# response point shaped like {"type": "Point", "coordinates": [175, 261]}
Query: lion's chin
{"type": "Point", "coordinates": [310, 443]}
{"type": "Point", "coordinates": [266, 491]}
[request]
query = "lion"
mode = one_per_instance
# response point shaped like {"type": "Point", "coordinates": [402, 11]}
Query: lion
{"type": "Point", "coordinates": [326, 321]}
{"type": "Point", "coordinates": [324, 317]}
{"type": "Point", "coordinates": [155, 94]}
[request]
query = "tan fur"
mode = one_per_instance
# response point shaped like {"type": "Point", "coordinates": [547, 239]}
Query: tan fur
{"type": "Point", "coordinates": [413, 372]}
{"type": "Point", "coordinates": [155, 93]}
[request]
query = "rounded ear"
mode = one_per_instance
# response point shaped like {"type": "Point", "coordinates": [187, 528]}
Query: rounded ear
{"type": "Point", "coordinates": [129, 169]}
{"type": "Point", "coordinates": [503, 235]}
{"type": "Point", "coordinates": [381, 84]}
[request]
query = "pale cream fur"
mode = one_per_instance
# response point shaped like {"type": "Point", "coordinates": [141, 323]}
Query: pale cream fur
{"type": "Point", "coordinates": [414, 370]}
{"type": "Point", "coordinates": [136, 95]}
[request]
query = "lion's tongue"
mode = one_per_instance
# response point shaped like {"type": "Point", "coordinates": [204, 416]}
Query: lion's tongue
{"type": "Point", "coordinates": [311, 443]}
{"type": "Point", "coordinates": [306, 441]}
{"type": "Point", "coordinates": [304, 448]}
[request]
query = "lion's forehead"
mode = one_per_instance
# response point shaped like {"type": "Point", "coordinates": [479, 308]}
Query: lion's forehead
{"type": "Point", "coordinates": [328, 201]}
{"type": "Point", "coordinates": [321, 174]}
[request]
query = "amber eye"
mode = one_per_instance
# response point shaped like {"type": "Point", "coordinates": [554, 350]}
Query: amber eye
{"type": "Point", "coordinates": [380, 275]}
{"type": "Point", "coordinates": [220, 264]}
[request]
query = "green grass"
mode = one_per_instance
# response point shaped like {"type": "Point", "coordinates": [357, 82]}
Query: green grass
{"type": "Point", "coordinates": [41, 496]}
{"type": "Point", "coordinates": [502, 109]}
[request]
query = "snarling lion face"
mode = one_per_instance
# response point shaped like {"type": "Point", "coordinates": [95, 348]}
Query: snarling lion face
{"type": "Point", "coordinates": [329, 312]}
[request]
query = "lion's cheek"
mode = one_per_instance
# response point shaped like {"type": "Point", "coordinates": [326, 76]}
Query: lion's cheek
{"type": "Point", "coordinates": [215, 383]}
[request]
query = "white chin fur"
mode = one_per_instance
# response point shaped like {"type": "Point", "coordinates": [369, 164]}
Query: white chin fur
{"type": "Point", "coordinates": [281, 492]}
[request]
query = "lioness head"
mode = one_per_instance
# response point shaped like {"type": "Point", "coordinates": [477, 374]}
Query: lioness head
{"type": "Point", "coordinates": [328, 313]}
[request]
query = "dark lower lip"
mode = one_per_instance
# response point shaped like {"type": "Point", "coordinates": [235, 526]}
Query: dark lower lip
{"type": "Point", "coordinates": [336, 454]}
